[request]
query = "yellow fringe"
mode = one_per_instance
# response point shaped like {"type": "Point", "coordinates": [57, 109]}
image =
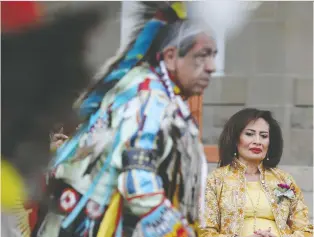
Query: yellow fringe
{"type": "Point", "coordinates": [108, 224]}
{"type": "Point", "coordinates": [12, 186]}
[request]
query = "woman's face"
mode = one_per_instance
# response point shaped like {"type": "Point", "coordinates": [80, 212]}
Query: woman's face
{"type": "Point", "coordinates": [254, 141]}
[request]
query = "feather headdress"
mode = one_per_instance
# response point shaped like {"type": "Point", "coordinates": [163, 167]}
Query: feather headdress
{"type": "Point", "coordinates": [151, 16]}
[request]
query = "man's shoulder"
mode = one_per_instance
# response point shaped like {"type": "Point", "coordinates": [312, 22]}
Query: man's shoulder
{"type": "Point", "coordinates": [145, 80]}
{"type": "Point", "coordinates": [140, 73]}
{"type": "Point", "coordinates": [148, 83]}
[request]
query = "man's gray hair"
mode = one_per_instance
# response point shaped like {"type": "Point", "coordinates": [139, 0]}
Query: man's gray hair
{"type": "Point", "coordinates": [180, 34]}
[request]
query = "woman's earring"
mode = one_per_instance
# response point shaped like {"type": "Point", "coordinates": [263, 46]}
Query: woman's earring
{"type": "Point", "coordinates": [267, 158]}
{"type": "Point", "coordinates": [235, 154]}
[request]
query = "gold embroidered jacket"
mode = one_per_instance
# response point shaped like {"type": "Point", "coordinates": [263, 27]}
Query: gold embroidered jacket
{"type": "Point", "coordinates": [225, 200]}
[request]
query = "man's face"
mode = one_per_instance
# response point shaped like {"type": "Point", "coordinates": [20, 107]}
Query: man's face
{"type": "Point", "coordinates": [192, 71]}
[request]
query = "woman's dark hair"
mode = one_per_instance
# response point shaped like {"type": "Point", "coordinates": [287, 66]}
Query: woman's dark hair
{"type": "Point", "coordinates": [232, 130]}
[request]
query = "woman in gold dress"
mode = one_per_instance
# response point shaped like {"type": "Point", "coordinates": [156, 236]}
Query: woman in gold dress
{"type": "Point", "coordinates": [248, 195]}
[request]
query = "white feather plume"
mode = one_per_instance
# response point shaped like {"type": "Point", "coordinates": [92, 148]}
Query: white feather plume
{"type": "Point", "coordinates": [223, 16]}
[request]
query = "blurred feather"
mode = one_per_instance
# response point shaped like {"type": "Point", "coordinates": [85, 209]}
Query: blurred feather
{"type": "Point", "coordinates": [225, 19]}
{"type": "Point", "coordinates": [44, 69]}
{"type": "Point", "coordinates": [224, 16]}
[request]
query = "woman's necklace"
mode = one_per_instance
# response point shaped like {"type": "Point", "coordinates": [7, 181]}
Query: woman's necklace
{"type": "Point", "coordinates": [254, 207]}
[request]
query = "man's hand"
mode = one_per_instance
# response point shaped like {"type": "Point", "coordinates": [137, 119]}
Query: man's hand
{"type": "Point", "coordinates": [57, 140]}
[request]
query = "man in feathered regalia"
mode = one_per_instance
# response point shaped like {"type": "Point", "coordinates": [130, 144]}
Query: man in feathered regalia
{"type": "Point", "coordinates": [134, 167]}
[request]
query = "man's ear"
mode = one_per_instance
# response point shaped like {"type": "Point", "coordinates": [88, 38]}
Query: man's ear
{"type": "Point", "coordinates": [170, 57]}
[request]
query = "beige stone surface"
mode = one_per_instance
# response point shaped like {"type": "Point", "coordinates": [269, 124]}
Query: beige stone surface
{"type": "Point", "coordinates": [269, 91]}
{"type": "Point", "coordinates": [226, 90]}
{"type": "Point", "coordinates": [239, 51]}
{"type": "Point", "coordinates": [223, 113]}
{"type": "Point", "coordinates": [269, 47]}
{"type": "Point", "coordinates": [211, 135]}
{"type": "Point", "coordinates": [303, 92]}
{"type": "Point", "coordinates": [302, 118]}
{"type": "Point", "coordinates": [301, 147]}
{"type": "Point", "coordinates": [267, 11]}
{"type": "Point", "coordinates": [294, 11]}
{"type": "Point", "coordinates": [299, 48]}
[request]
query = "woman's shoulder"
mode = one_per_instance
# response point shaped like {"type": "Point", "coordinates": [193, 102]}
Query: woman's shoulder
{"type": "Point", "coordinates": [281, 174]}
{"type": "Point", "coordinates": [219, 172]}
